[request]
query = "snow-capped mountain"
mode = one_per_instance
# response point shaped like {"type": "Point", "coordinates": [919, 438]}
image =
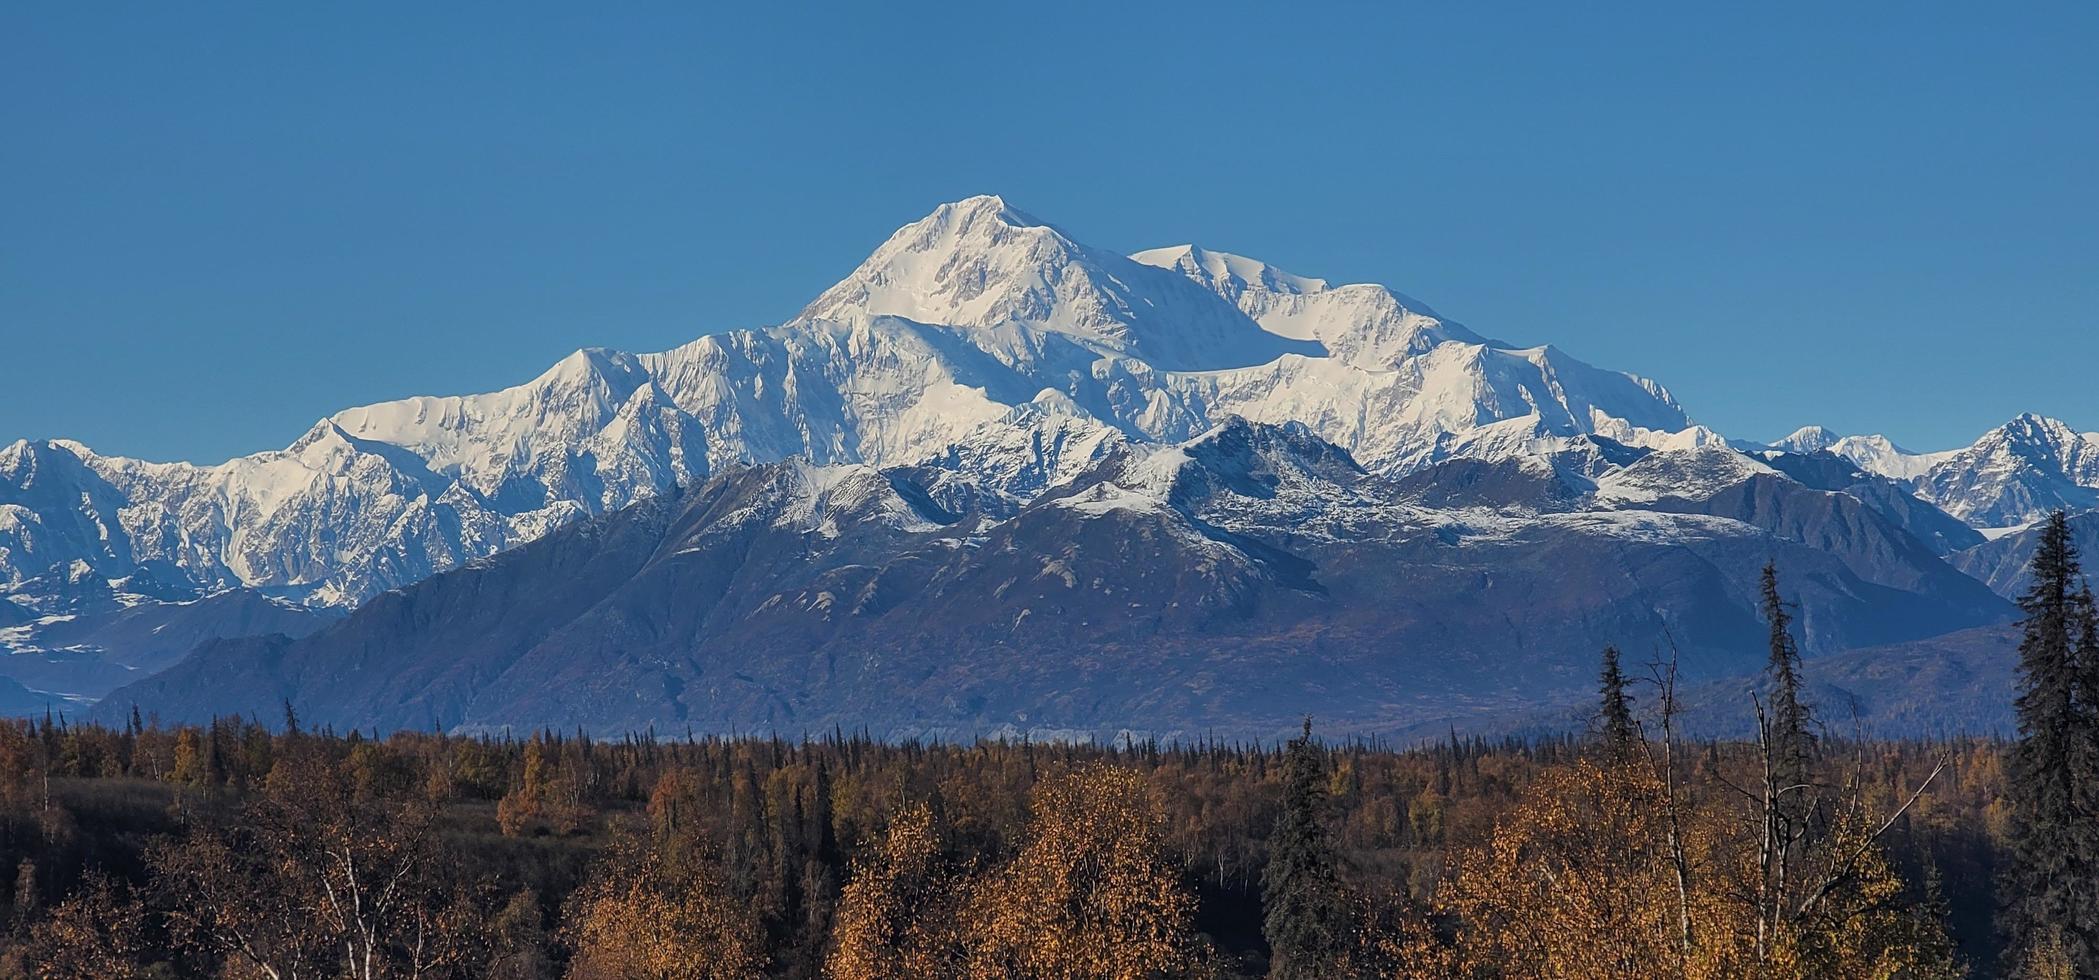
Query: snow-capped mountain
{"type": "Point", "coordinates": [1873, 453]}
{"type": "Point", "coordinates": [997, 480]}
{"type": "Point", "coordinates": [1012, 280]}
{"type": "Point", "coordinates": [1228, 583]}
{"type": "Point", "coordinates": [2013, 475]}
{"type": "Point", "coordinates": [978, 341]}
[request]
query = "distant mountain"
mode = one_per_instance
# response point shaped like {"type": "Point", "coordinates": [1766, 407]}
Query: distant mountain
{"type": "Point", "coordinates": [1230, 583]}
{"type": "Point", "coordinates": [996, 479]}
{"type": "Point", "coordinates": [2002, 563]}
{"type": "Point", "coordinates": [1958, 683]}
{"type": "Point", "coordinates": [18, 701]}
{"type": "Point", "coordinates": [978, 339]}
{"type": "Point", "coordinates": [1891, 498]}
{"type": "Point", "coordinates": [72, 636]}
{"type": "Point", "coordinates": [2014, 475]}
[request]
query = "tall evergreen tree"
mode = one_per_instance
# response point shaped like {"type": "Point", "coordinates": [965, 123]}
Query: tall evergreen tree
{"type": "Point", "coordinates": [1305, 910]}
{"type": "Point", "coordinates": [2054, 886]}
{"type": "Point", "coordinates": [1616, 714]}
{"type": "Point", "coordinates": [1790, 742]}
{"type": "Point", "coordinates": [1788, 800]}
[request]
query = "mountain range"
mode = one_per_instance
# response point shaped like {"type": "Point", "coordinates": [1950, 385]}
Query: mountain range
{"type": "Point", "coordinates": [998, 481]}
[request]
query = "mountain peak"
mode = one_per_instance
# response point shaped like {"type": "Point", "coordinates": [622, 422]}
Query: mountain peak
{"type": "Point", "coordinates": [983, 221]}
{"type": "Point", "coordinates": [2032, 426]}
{"type": "Point", "coordinates": [1272, 446]}
{"type": "Point", "coordinates": [2043, 442]}
{"type": "Point", "coordinates": [983, 207]}
{"type": "Point", "coordinates": [981, 264]}
{"type": "Point", "coordinates": [1808, 439]}
{"type": "Point", "coordinates": [977, 262]}
{"type": "Point", "coordinates": [19, 459]}
{"type": "Point", "coordinates": [591, 364]}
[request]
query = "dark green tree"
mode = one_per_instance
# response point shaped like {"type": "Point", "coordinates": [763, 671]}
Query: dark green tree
{"type": "Point", "coordinates": [1615, 717]}
{"type": "Point", "coordinates": [1790, 741]}
{"type": "Point", "coordinates": [2053, 889]}
{"type": "Point", "coordinates": [1305, 910]}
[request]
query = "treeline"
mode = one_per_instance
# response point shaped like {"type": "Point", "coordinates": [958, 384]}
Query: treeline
{"type": "Point", "coordinates": [232, 849]}
{"type": "Point", "coordinates": [243, 850]}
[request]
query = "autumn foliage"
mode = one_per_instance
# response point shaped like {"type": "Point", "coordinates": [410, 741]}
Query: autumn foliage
{"type": "Point", "coordinates": [658, 910]}
{"type": "Point", "coordinates": [314, 855]}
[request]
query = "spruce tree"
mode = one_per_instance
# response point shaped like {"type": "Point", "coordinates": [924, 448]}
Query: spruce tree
{"type": "Point", "coordinates": [1305, 910]}
{"type": "Point", "coordinates": [2054, 886]}
{"type": "Point", "coordinates": [1615, 717]}
{"type": "Point", "coordinates": [1791, 743]}
{"type": "Point", "coordinates": [1788, 803]}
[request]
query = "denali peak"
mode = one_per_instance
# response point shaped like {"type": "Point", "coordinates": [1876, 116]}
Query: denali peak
{"type": "Point", "coordinates": [980, 263]}
{"type": "Point", "coordinates": [989, 348]}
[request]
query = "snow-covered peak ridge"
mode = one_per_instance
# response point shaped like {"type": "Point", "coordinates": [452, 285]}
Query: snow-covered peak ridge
{"type": "Point", "coordinates": [1880, 455]}
{"type": "Point", "coordinates": [1363, 324]}
{"type": "Point", "coordinates": [1807, 439]}
{"type": "Point", "coordinates": [1228, 274]}
{"type": "Point", "coordinates": [981, 264]}
{"type": "Point", "coordinates": [1876, 454]}
{"type": "Point", "coordinates": [454, 432]}
{"type": "Point", "coordinates": [1687, 473]}
{"type": "Point", "coordinates": [1251, 461]}
{"type": "Point", "coordinates": [2012, 475]}
{"type": "Point", "coordinates": [1160, 347]}
{"type": "Point", "coordinates": [2016, 473]}
{"type": "Point", "coordinates": [2046, 441]}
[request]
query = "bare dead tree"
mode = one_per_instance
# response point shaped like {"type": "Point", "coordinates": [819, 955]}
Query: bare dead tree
{"type": "Point", "coordinates": [1664, 677]}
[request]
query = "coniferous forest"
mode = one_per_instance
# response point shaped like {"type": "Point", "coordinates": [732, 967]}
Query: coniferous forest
{"type": "Point", "coordinates": [264, 849]}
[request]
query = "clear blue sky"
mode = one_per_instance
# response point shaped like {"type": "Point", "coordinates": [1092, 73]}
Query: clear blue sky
{"type": "Point", "coordinates": [218, 224]}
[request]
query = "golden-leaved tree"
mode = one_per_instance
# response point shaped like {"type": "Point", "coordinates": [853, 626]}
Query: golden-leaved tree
{"type": "Point", "coordinates": [1580, 880]}
{"type": "Point", "coordinates": [1089, 896]}
{"type": "Point", "coordinates": [1576, 881]}
{"type": "Point", "coordinates": [657, 907]}
{"type": "Point", "coordinates": [98, 932]}
{"type": "Point", "coordinates": [897, 918]}
{"type": "Point", "coordinates": [660, 913]}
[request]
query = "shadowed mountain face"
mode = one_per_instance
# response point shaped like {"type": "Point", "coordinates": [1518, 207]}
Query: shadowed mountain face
{"type": "Point", "coordinates": [1935, 528]}
{"type": "Point", "coordinates": [1232, 583]}
{"type": "Point", "coordinates": [2002, 563]}
{"type": "Point", "coordinates": [72, 636]}
{"type": "Point", "coordinates": [1954, 684]}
